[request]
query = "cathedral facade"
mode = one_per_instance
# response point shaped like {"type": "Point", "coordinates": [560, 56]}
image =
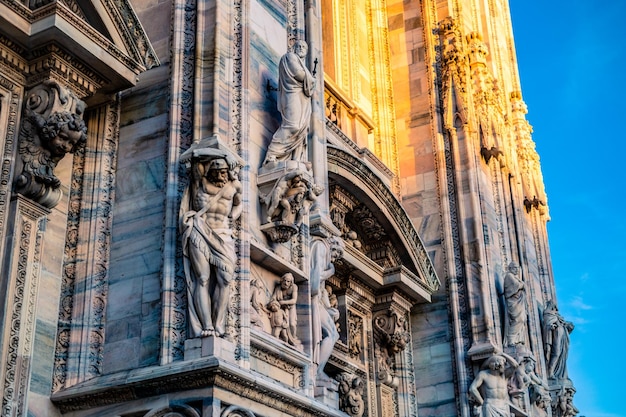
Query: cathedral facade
{"type": "Point", "coordinates": [272, 208]}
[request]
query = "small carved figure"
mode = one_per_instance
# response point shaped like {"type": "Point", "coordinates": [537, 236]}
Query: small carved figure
{"type": "Point", "coordinates": [334, 304]}
{"type": "Point", "coordinates": [279, 320]}
{"type": "Point", "coordinates": [258, 309]}
{"type": "Point", "coordinates": [355, 327]}
{"type": "Point", "coordinates": [351, 394]}
{"type": "Point", "coordinates": [211, 201]}
{"type": "Point", "coordinates": [285, 297]}
{"type": "Point", "coordinates": [295, 88]}
{"type": "Point", "coordinates": [290, 199]}
{"type": "Point", "coordinates": [556, 341]}
{"type": "Point", "coordinates": [325, 335]}
{"type": "Point", "coordinates": [489, 388]}
{"type": "Point", "coordinates": [563, 405]}
{"type": "Point", "coordinates": [515, 296]}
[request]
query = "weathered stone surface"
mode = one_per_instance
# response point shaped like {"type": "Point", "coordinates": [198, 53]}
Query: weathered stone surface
{"type": "Point", "coordinates": [411, 147]}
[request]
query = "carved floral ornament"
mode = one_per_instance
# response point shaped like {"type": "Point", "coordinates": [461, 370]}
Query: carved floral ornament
{"type": "Point", "coordinates": [52, 127]}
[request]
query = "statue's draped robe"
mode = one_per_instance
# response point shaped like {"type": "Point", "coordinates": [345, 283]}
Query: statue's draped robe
{"type": "Point", "coordinates": [295, 87]}
{"type": "Point", "coordinates": [515, 296]}
{"type": "Point", "coordinates": [556, 334]}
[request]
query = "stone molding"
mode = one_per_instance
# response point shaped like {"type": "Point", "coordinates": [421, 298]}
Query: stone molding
{"type": "Point", "coordinates": [85, 321]}
{"type": "Point", "coordinates": [22, 270]}
{"type": "Point", "coordinates": [150, 382]}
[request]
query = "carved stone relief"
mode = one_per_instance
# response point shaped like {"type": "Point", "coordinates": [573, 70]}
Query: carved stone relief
{"type": "Point", "coordinates": [360, 229]}
{"type": "Point", "coordinates": [52, 126]}
{"type": "Point", "coordinates": [391, 335]}
{"type": "Point", "coordinates": [287, 205]}
{"type": "Point", "coordinates": [355, 335]}
{"type": "Point", "coordinates": [351, 390]}
{"type": "Point", "coordinates": [562, 403]}
{"type": "Point", "coordinates": [282, 311]}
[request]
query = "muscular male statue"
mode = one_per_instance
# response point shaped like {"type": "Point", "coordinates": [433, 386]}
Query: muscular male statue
{"type": "Point", "coordinates": [211, 201]}
{"type": "Point", "coordinates": [490, 390]}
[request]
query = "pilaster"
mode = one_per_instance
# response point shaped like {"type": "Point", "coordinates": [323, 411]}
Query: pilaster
{"type": "Point", "coordinates": [21, 271]}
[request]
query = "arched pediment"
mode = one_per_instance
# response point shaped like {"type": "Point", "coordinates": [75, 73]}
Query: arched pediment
{"type": "Point", "coordinates": [379, 234]}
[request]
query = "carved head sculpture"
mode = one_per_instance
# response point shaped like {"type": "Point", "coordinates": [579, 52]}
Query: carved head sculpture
{"type": "Point", "coordinates": [62, 132]}
{"type": "Point", "coordinates": [513, 268]}
{"type": "Point", "coordinates": [300, 48]}
{"type": "Point", "coordinates": [336, 248]}
{"type": "Point", "coordinates": [286, 281]}
{"type": "Point", "coordinates": [218, 172]}
{"type": "Point", "coordinates": [495, 363]}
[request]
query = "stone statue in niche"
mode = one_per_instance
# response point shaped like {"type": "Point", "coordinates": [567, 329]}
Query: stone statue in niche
{"type": "Point", "coordinates": [323, 254]}
{"type": "Point", "coordinates": [489, 388]}
{"type": "Point", "coordinates": [515, 329]}
{"type": "Point", "coordinates": [257, 302]}
{"type": "Point", "coordinates": [283, 313]}
{"type": "Point", "coordinates": [211, 201]}
{"type": "Point", "coordinates": [52, 127]}
{"type": "Point", "coordinates": [295, 88]}
{"type": "Point", "coordinates": [556, 341]}
{"type": "Point", "coordinates": [351, 394]}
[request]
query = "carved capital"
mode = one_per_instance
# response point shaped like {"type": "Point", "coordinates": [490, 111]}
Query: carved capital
{"type": "Point", "coordinates": [52, 126]}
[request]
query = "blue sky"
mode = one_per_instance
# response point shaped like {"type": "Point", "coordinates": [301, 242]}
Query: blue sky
{"type": "Point", "coordinates": [572, 61]}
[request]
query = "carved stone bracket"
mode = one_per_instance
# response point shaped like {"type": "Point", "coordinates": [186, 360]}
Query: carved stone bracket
{"type": "Point", "coordinates": [391, 335]}
{"type": "Point", "coordinates": [351, 389]}
{"type": "Point", "coordinates": [52, 127]}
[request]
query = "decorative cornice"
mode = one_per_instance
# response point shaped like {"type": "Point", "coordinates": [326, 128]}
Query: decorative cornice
{"type": "Point", "coordinates": [188, 375]}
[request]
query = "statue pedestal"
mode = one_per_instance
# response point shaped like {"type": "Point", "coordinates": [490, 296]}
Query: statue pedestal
{"type": "Point", "coordinates": [327, 392]}
{"type": "Point", "coordinates": [209, 346]}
